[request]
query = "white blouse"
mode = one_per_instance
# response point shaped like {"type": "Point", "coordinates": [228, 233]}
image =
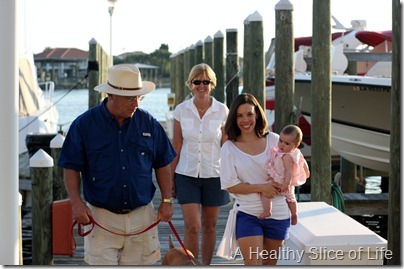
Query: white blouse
{"type": "Point", "coordinates": [200, 151]}
{"type": "Point", "coordinates": [240, 167]}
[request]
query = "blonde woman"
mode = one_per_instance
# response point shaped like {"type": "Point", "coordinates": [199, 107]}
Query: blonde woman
{"type": "Point", "coordinates": [197, 140]}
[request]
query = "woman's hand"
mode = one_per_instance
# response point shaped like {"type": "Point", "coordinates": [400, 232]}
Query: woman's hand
{"type": "Point", "coordinates": [270, 190]}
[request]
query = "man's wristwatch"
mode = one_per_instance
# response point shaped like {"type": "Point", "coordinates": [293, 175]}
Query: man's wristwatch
{"type": "Point", "coordinates": [168, 200]}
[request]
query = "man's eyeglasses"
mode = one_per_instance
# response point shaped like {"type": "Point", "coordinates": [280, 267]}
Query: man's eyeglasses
{"type": "Point", "coordinates": [198, 82]}
{"type": "Point", "coordinates": [132, 99]}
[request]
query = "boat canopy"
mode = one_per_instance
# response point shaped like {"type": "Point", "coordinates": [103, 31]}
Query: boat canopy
{"type": "Point", "coordinates": [374, 38]}
{"type": "Point", "coordinates": [28, 89]}
{"type": "Point", "coordinates": [307, 41]}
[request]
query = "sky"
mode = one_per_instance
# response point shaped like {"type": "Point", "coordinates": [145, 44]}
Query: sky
{"type": "Point", "coordinates": [145, 25]}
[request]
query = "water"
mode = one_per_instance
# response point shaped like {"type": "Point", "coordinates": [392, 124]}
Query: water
{"type": "Point", "coordinates": [72, 104]}
{"type": "Point", "coordinates": [75, 102]}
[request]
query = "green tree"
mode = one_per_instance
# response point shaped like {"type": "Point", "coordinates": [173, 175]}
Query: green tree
{"type": "Point", "coordinates": [160, 58]}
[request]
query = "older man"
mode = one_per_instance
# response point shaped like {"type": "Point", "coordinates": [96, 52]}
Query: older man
{"type": "Point", "coordinates": [112, 149]}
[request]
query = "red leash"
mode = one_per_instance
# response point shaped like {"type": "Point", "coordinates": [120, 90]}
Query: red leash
{"type": "Point", "coordinates": [179, 240]}
{"type": "Point", "coordinates": [93, 223]}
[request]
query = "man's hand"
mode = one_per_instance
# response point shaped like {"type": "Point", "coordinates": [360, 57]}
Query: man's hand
{"type": "Point", "coordinates": [81, 213]}
{"type": "Point", "coordinates": [165, 212]}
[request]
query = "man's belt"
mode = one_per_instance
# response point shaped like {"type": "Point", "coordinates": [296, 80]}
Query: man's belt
{"type": "Point", "coordinates": [120, 211]}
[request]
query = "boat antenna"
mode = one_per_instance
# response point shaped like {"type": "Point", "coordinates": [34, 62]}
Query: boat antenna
{"type": "Point", "coordinates": [338, 24]}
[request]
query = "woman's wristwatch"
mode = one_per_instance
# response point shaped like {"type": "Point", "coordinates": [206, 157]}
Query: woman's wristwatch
{"type": "Point", "coordinates": [168, 200]}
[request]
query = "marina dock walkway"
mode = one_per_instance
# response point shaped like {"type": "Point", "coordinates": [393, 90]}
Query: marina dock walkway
{"type": "Point", "coordinates": [164, 232]}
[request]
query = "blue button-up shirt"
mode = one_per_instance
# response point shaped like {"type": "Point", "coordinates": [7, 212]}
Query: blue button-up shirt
{"type": "Point", "coordinates": [116, 162]}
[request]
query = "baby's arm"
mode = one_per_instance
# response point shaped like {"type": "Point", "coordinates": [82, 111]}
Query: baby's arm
{"type": "Point", "coordinates": [306, 169]}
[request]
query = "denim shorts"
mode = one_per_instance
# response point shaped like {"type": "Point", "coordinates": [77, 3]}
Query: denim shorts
{"type": "Point", "coordinates": [204, 191]}
{"type": "Point", "coordinates": [249, 225]}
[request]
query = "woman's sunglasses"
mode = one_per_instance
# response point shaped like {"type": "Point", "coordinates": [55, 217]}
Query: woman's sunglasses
{"type": "Point", "coordinates": [198, 82]}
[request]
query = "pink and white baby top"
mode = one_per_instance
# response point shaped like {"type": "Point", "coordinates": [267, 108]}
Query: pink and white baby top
{"type": "Point", "coordinates": [276, 170]}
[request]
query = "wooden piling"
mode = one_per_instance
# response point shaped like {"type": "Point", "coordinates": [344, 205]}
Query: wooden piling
{"type": "Point", "coordinates": [321, 103]}
{"type": "Point", "coordinates": [173, 74]}
{"type": "Point", "coordinates": [191, 55]}
{"type": "Point", "coordinates": [93, 96]}
{"type": "Point", "coordinates": [284, 68]}
{"type": "Point", "coordinates": [218, 65]}
{"type": "Point", "coordinates": [187, 67]}
{"type": "Point", "coordinates": [198, 52]}
{"type": "Point", "coordinates": [348, 176]}
{"type": "Point", "coordinates": [180, 79]}
{"type": "Point", "coordinates": [185, 73]}
{"type": "Point", "coordinates": [59, 190]}
{"type": "Point", "coordinates": [246, 65]}
{"type": "Point", "coordinates": [257, 58]}
{"type": "Point", "coordinates": [100, 59]}
{"type": "Point", "coordinates": [41, 164]}
{"type": "Point", "coordinates": [394, 220]}
{"type": "Point", "coordinates": [232, 66]}
{"type": "Point", "coordinates": [208, 51]}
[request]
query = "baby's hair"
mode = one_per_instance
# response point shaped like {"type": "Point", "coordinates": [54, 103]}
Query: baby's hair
{"type": "Point", "coordinates": [295, 131]}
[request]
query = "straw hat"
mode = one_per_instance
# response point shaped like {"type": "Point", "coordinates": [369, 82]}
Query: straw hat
{"type": "Point", "coordinates": [125, 80]}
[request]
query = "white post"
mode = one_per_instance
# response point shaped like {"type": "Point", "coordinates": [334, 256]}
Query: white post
{"type": "Point", "coordinates": [9, 198]}
{"type": "Point", "coordinates": [111, 57]}
{"type": "Point", "coordinates": [111, 4]}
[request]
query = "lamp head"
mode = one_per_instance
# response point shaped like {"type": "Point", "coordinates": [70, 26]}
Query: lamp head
{"type": "Point", "coordinates": [111, 4]}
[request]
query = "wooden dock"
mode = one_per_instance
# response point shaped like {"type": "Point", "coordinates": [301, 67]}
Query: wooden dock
{"type": "Point", "coordinates": [356, 204]}
{"type": "Point", "coordinates": [164, 232]}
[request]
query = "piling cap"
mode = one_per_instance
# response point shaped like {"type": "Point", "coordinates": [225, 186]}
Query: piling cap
{"type": "Point", "coordinates": [208, 39]}
{"type": "Point", "coordinates": [41, 159]}
{"type": "Point", "coordinates": [57, 141]}
{"type": "Point", "coordinates": [256, 16]}
{"type": "Point", "coordinates": [284, 5]}
{"type": "Point", "coordinates": [218, 34]}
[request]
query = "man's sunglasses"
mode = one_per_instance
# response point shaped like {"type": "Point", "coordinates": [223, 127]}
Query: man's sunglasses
{"type": "Point", "coordinates": [132, 99]}
{"type": "Point", "coordinates": [198, 82]}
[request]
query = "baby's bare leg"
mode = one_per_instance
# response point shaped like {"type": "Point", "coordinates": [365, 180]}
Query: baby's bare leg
{"type": "Point", "coordinates": [293, 211]}
{"type": "Point", "coordinates": [267, 205]}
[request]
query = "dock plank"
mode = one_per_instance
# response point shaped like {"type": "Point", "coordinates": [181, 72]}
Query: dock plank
{"type": "Point", "coordinates": [360, 203]}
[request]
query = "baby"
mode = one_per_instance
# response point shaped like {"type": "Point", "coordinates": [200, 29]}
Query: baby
{"type": "Point", "coordinates": [287, 166]}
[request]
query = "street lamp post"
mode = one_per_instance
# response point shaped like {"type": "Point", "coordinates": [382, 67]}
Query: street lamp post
{"type": "Point", "coordinates": [111, 4]}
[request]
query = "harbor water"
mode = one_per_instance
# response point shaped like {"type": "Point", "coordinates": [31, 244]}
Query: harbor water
{"type": "Point", "coordinates": [71, 104]}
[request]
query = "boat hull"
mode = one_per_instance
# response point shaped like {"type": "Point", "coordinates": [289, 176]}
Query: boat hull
{"type": "Point", "coordinates": [356, 101]}
{"type": "Point", "coordinates": [360, 119]}
{"type": "Point", "coordinates": [360, 146]}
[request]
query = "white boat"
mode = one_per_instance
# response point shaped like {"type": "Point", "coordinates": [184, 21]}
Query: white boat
{"type": "Point", "coordinates": [37, 112]}
{"type": "Point", "coordinates": [360, 119]}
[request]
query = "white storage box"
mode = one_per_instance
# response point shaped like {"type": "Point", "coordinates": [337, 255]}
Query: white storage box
{"type": "Point", "coordinates": [326, 236]}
